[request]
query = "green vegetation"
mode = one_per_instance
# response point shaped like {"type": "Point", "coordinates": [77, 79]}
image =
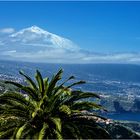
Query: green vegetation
{"type": "Point", "coordinates": [123, 130]}
{"type": "Point", "coordinates": [4, 87]}
{"type": "Point", "coordinates": [48, 109]}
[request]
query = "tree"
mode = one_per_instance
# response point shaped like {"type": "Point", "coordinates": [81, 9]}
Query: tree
{"type": "Point", "coordinates": [46, 109]}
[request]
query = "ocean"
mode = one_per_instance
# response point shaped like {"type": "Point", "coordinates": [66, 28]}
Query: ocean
{"type": "Point", "coordinates": [116, 81]}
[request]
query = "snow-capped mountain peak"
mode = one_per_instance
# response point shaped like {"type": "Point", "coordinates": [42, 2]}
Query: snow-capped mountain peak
{"type": "Point", "coordinates": [33, 29]}
{"type": "Point", "coordinates": [35, 35]}
{"type": "Point", "coordinates": [36, 29]}
{"type": "Point", "coordinates": [37, 45]}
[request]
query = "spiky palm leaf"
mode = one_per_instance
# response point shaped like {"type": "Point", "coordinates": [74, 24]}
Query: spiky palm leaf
{"type": "Point", "coordinates": [48, 110]}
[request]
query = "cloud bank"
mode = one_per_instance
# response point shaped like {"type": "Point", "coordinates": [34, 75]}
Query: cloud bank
{"type": "Point", "coordinates": [37, 45]}
{"type": "Point", "coordinates": [7, 30]}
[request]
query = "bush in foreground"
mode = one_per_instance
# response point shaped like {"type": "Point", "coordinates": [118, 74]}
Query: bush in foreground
{"type": "Point", "coordinates": [47, 110]}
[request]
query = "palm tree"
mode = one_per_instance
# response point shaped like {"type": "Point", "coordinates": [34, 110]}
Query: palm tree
{"type": "Point", "coordinates": [47, 110]}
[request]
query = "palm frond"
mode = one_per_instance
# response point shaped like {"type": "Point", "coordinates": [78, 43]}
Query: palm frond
{"type": "Point", "coordinates": [46, 85]}
{"type": "Point", "coordinates": [29, 80]}
{"type": "Point", "coordinates": [53, 82]}
{"type": "Point", "coordinates": [85, 105]}
{"type": "Point", "coordinates": [20, 131]}
{"type": "Point", "coordinates": [28, 90]}
{"type": "Point", "coordinates": [43, 131]}
{"type": "Point", "coordinates": [76, 83]}
{"type": "Point", "coordinates": [71, 131]}
{"type": "Point", "coordinates": [6, 134]}
{"type": "Point", "coordinates": [40, 82]}
{"type": "Point", "coordinates": [57, 122]}
{"type": "Point", "coordinates": [58, 135]}
{"type": "Point", "coordinates": [79, 95]}
{"type": "Point", "coordinates": [16, 96]}
{"type": "Point", "coordinates": [65, 109]}
{"type": "Point", "coordinates": [61, 85]}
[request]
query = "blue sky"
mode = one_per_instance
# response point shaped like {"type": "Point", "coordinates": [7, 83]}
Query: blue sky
{"type": "Point", "coordinates": [100, 26]}
{"type": "Point", "coordinates": [104, 27]}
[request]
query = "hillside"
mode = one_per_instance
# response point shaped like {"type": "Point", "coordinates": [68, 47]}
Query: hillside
{"type": "Point", "coordinates": [124, 130]}
{"type": "Point", "coordinates": [117, 129]}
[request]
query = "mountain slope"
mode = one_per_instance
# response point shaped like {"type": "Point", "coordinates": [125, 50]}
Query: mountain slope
{"type": "Point", "coordinates": [34, 44]}
{"type": "Point", "coordinates": [38, 37]}
{"type": "Point", "coordinates": [38, 45]}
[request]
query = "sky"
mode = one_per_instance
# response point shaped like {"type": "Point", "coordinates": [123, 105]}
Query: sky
{"type": "Point", "coordinates": [101, 27]}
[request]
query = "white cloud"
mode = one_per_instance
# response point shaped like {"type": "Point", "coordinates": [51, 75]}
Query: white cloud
{"type": "Point", "coordinates": [113, 58]}
{"type": "Point", "coordinates": [36, 45]}
{"type": "Point", "coordinates": [63, 56]}
{"type": "Point", "coordinates": [7, 30]}
{"type": "Point", "coordinates": [48, 55]}
{"type": "Point", "coordinates": [8, 52]}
